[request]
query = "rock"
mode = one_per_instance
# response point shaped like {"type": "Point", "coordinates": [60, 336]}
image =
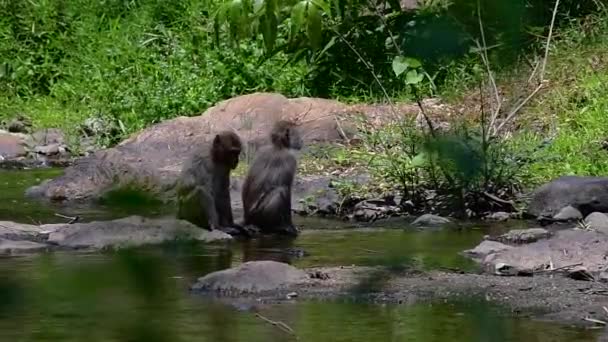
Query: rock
{"type": "Point", "coordinates": [154, 156]}
{"type": "Point", "coordinates": [19, 125]}
{"type": "Point", "coordinates": [20, 231]}
{"type": "Point", "coordinates": [597, 221]}
{"type": "Point", "coordinates": [522, 236]}
{"type": "Point", "coordinates": [564, 248]}
{"type": "Point", "coordinates": [603, 277]}
{"type": "Point", "coordinates": [586, 194]}
{"type": "Point", "coordinates": [498, 216]}
{"type": "Point", "coordinates": [567, 214]}
{"type": "Point", "coordinates": [96, 126]}
{"type": "Point", "coordinates": [48, 136]}
{"type": "Point", "coordinates": [11, 146]}
{"type": "Point", "coordinates": [430, 220]}
{"type": "Point", "coordinates": [485, 248]}
{"type": "Point", "coordinates": [372, 210]}
{"type": "Point", "coordinates": [128, 232]}
{"type": "Point", "coordinates": [10, 247]}
{"type": "Point", "coordinates": [251, 277]}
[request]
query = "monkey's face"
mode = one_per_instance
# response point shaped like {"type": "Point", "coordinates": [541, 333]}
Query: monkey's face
{"type": "Point", "coordinates": [226, 149]}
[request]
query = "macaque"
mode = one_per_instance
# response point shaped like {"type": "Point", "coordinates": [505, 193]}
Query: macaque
{"type": "Point", "coordinates": [203, 189]}
{"type": "Point", "coordinates": [267, 189]}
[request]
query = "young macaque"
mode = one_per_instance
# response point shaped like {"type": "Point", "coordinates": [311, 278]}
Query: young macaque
{"type": "Point", "coordinates": [203, 189]}
{"type": "Point", "coordinates": [267, 189]}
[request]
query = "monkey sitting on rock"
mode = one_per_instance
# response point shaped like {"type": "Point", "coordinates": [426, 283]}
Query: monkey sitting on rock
{"type": "Point", "coordinates": [267, 188]}
{"type": "Point", "coordinates": [203, 189]}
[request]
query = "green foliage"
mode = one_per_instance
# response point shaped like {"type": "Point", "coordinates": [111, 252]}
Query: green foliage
{"type": "Point", "coordinates": [138, 62]}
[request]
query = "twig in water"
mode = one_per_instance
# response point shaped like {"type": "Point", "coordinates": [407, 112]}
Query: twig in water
{"type": "Point", "coordinates": [72, 219]}
{"type": "Point", "coordinates": [277, 324]}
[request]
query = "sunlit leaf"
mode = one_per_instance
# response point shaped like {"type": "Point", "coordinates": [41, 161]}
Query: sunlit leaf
{"type": "Point", "coordinates": [413, 77]}
{"type": "Point", "coordinates": [399, 65]}
{"type": "Point", "coordinates": [413, 62]}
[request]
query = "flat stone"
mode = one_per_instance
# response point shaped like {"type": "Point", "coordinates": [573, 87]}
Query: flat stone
{"type": "Point", "coordinates": [251, 277]}
{"type": "Point", "coordinates": [486, 248]}
{"type": "Point", "coordinates": [128, 232]}
{"type": "Point", "coordinates": [430, 220]}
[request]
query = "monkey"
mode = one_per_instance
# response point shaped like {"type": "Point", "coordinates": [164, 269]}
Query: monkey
{"type": "Point", "coordinates": [203, 194]}
{"type": "Point", "coordinates": [266, 193]}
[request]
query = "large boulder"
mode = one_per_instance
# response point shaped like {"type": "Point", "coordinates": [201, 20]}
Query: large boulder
{"type": "Point", "coordinates": [11, 146]}
{"type": "Point", "coordinates": [153, 157]}
{"type": "Point", "coordinates": [251, 277]}
{"type": "Point", "coordinates": [586, 194]}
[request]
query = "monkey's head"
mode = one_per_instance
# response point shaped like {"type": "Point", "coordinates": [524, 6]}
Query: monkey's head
{"type": "Point", "coordinates": [285, 134]}
{"type": "Point", "coordinates": [226, 149]}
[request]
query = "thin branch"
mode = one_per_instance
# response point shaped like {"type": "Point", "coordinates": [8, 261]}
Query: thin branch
{"type": "Point", "coordinates": [486, 61]}
{"type": "Point", "coordinates": [544, 65]}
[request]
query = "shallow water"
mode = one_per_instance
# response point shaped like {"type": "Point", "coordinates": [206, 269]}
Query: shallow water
{"type": "Point", "coordinates": [141, 295]}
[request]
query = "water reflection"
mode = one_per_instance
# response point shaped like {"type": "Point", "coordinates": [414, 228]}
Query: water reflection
{"type": "Point", "coordinates": [142, 296]}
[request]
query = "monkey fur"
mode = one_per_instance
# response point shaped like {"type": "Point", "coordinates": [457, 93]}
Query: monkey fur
{"type": "Point", "coordinates": [267, 188]}
{"type": "Point", "coordinates": [203, 189]}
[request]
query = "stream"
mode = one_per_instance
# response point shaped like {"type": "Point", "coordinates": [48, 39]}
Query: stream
{"type": "Point", "coordinates": [142, 294]}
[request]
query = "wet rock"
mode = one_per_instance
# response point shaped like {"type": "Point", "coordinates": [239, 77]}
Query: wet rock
{"type": "Point", "coordinates": [128, 232]}
{"type": "Point", "coordinates": [522, 236]}
{"type": "Point", "coordinates": [587, 194]}
{"type": "Point", "coordinates": [251, 277]}
{"type": "Point", "coordinates": [11, 146]}
{"type": "Point", "coordinates": [498, 216]}
{"type": "Point", "coordinates": [11, 247]}
{"type": "Point", "coordinates": [486, 248]}
{"type": "Point", "coordinates": [597, 221]}
{"type": "Point", "coordinates": [567, 214]}
{"type": "Point", "coordinates": [564, 248]}
{"type": "Point", "coordinates": [430, 220]}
